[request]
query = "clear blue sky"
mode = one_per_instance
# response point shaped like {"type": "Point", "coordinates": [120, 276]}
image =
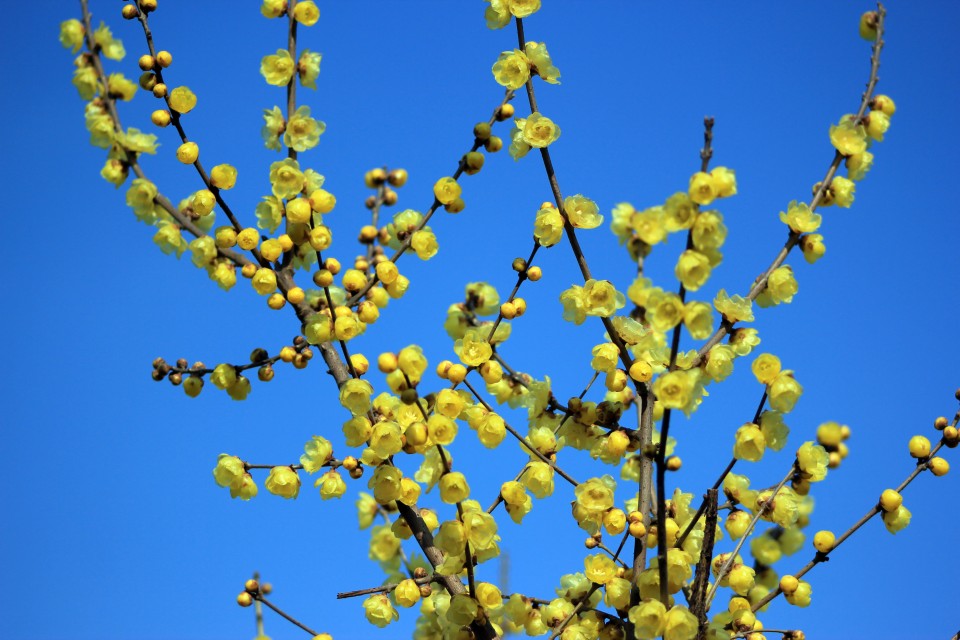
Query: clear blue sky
{"type": "Point", "coordinates": [113, 527]}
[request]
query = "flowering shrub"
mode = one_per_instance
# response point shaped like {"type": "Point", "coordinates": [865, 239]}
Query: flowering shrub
{"type": "Point", "coordinates": [400, 431]}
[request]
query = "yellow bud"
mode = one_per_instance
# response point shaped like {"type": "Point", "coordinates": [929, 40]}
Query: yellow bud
{"type": "Point", "coordinates": [823, 541]}
{"type": "Point", "coordinates": [397, 177]}
{"type": "Point", "coordinates": [188, 152]}
{"type": "Point", "coordinates": [248, 238]}
{"type": "Point", "coordinates": [146, 62]}
{"type": "Point", "coordinates": [387, 362]}
{"type": "Point", "coordinates": [938, 466]}
{"type": "Point", "coordinates": [457, 373]}
{"type": "Point", "coordinates": [789, 584]}
{"type": "Point", "coordinates": [641, 371]}
{"type": "Point", "coordinates": [890, 500]}
{"type": "Point", "coordinates": [164, 59]}
{"type": "Point", "coordinates": [295, 295]}
{"type": "Point", "coordinates": [160, 117]}
{"type": "Point", "coordinates": [276, 301]}
{"type": "Point", "coordinates": [919, 447]}
{"type": "Point", "coordinates": [534, 273]}
{"type": "Point", "coordinates": [159, 90]}
{"type": "Point", "coordinates": [244, 599]}
{"type": "Point", "coordinates": [505, 112]}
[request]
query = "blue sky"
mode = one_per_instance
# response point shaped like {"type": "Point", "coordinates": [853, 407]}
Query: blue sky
{"type": "Point", "coordinates": [113, 526]}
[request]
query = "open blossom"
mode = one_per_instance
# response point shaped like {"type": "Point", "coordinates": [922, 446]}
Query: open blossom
{"type": "Point", "coordinates": [582, 212]}
{"type": "Point", "coordinates": [512, 69]}
{"type": "Point", "coordinates": [539, 58]}
{"type": "Point", "coordinates": [538, 130]}
{"type": "Point", "coordinates": [277, 69]}
{"type": "Point", "coordinates": [302, 131]}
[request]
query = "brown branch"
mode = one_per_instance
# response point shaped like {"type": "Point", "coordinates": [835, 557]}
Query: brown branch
{"type": "Point", "coordinates": [698, 599]}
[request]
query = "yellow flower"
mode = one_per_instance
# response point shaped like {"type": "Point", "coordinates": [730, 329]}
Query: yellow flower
{"type": "Point", "coordinates": [725, 181]}
{"type": "Point", "coordinates": [692, 270]}
{"type": "Point", "coordinates": [463, 609]}
{"type": "Point", "coordinates": [848, 138]}
{"type": "Point", "coordinates": [386, 483]}
{"type": "Point", "coordinates": [679, 624]}
{"type": "Point", "coordinates": [424, 243]}
{"type": "Point", "coordinates": [664, 309]}
{"type": "Point", "coordinates": [355, 396]}
{"type": "Point", "coordinates": [264, 281]}
{"type": "Point", "coordinates": [303, 132]}
{"type": "Point", "coordinates": [454, 487]}
{"type": "Point", "coordinates": [512, 69]}
{"type": "Point", "coordinates": [491, 430]}
{"type": "Point", "coordinates": [766, 367]}
{"type": "Point", "coordinates": [480, 530]}
{"type": "Point", "coordinates": [719, 362]}
{"type": "Point", "coordinates": [896, 520]}
{"type": "Point", "coordinates": [800, 597]}
{"type": "Point", "coordinates": [548, 226]}
{"type": "Point", "coordinates": [489, 596]}
{"type": "Point", "coordinates": [182, 100]}
{"type": "Point", "coordinates": [812, 247]}
{"type": "Point", "coordinates": [599, 568]}
{"type": "Point", "coordinates": [274, 124]}
{"type": "Point", "coordinates": [679, 211]}
{"type": "Point", "coordinates": [473, 349]}
{"type": "Point", "coordinates": [331, 485]}
{"type": "Point", "coordinates": [119, 86]}
{"type": "Point", "coordinates": [497, 14]}
{"type": "Point", "coordinates": [306, 13]}
{"type": "Point", "coordinates": [539, 131]}
{"type": "Point", "coordinates": [582, 212]}
{"type": "Point", "coordinates": [379, 610]}
{"type": "Point", "coordinates": [229, 471]}
{"type": "Point", "coordinates": [734, 308]}
{"type": "Point", "coordinates": [223, 176]}
{"type": "Point", "coordinates": [574, 305]}
{"type": "Point", "coordinates": [679, 389]}
{"type": "Point", "coordinates": [703, 188]}
{"type": "Point", "coordinates": [812, 459]}
{"type": "Point", "coordinates": [169, 239]}
{"type": "Point", "coordinates": [650, 225]}
{"type": "Point", "coordinates": [277, 69]}
{"type": "Point", "coordinates": [538, 478]}
{"type": "Point", "coordinates": [749, 443]}
{"type": "Point", "coordinates": [273, 8]}
{"type": "Point", "coordinates": [286, 180]}
{"type": "Point", "coordinates": [115, 172]}
{"type": "Point", "coordinates": [708, 231]}
{"type": "Point", "coordinates": [600, 298]}
{"type": "Point", "coordinates": [86, 81]}
{"type": "Point", "coordinates": [112, 48]}
{"type": "Point", "coordinates": [858, 165]}
{"type": "Point", "coordinates": [309, 67]}
{"type": "Point", "coordinates": [648, 618]}
{"type": "Point", "coordinates": [877, 123]}
{"type": "Point", "coordinates": [283, 482]}
{"type": "Point", "coordinates": [541, 63]}
{"type": "Point", "coordinates": [842, 190]}
{"type": "Point", "coordinates": [698, 319]}
{"type": "Point", "coordinates": [71, 34]}
{"type": "Point", "coordinates": [743, 340]}
{"type": "Point", "coordinates": [316, 452]}
{"type": "Point", "coordinates": [783, 392]}
{"type": "Point", "coordinates": [800, 218]}
{"type": "Point", "coordinates": [523, 8]}
{"type": "Point", "coordinates": [407, 593]}
{"type": "Point", "coordinates": [781, 287]}
{"type": "Point", "coordinates": [446, 190]}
